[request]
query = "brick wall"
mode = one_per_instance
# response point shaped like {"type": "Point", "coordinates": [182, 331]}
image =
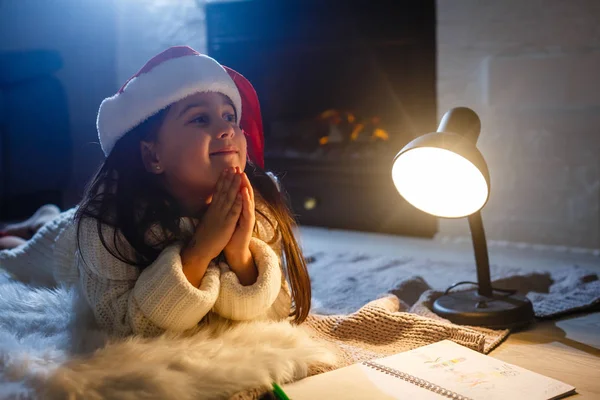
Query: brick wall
{"type": "Point", "coordinates": [531, 70]}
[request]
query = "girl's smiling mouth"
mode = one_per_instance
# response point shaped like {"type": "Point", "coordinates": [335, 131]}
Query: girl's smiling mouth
{"type": "Point", "coordinates": [224, 151]}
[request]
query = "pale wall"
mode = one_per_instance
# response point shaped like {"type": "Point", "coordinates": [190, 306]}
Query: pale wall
{"type": "Point", "coordinates": [531, 69]}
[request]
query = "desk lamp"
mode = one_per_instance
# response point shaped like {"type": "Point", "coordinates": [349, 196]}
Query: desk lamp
{"type": "Point", "coordinates": [444, 174]}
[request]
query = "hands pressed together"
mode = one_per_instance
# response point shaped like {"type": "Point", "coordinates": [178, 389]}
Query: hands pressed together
{"type": "Point", "coordinates": [226, 227]}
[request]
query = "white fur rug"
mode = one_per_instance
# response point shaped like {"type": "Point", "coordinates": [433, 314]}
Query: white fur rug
{"type": "Point", "coordinates": [46, 340]}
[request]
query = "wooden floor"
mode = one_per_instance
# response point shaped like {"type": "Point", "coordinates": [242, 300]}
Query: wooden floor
{"type": "Point", "coordinates": [567, 349]}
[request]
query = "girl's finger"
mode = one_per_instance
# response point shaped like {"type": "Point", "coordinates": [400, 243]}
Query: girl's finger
{"type": "Point", "coordinates": [218, 194]}
{"type": "Point", "coordinates": [246, 183]}
{"type": "Point", "coordinates": [227, 179]}
{"type": "Point", "coordinates": [221, 181]}
{"type": "Point", "coordinates": [236, 209]}
{"type": "Point", "coordinates": [232, 190]}
{"type": "Point", "coordinates": [248, 204]}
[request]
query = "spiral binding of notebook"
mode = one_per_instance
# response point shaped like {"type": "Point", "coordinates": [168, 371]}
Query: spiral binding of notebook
{"type": "Point", "coordinates": [415, 381]}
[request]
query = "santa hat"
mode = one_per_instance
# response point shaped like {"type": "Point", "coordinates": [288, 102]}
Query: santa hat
{"type": "Point", "coordinates": [168, 77]}
{"type": "Point", "coordinates": [250, 121]}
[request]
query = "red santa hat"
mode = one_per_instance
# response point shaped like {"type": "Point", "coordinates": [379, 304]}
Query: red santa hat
{"type": "Point", "coordinates": [251, 120]}
{"type": "Point", "coordinates": [168, 77]}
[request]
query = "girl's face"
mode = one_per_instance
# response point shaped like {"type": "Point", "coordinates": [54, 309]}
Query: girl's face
{"type": "Point", "coordinates": [198, 139]}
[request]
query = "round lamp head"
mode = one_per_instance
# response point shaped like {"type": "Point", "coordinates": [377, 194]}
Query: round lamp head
{"type": "Point", "coordinates": [442, 174]}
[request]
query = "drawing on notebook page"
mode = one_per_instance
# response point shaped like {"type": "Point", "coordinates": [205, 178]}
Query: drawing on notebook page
{"type": "Point", "coordinates": [473, 378]}
{"type": "Point", "coordinates": [440, 371]}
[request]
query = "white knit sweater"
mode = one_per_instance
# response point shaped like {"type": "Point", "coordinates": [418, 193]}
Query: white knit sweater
{"type": "Point", "coordinates": [126, 300]}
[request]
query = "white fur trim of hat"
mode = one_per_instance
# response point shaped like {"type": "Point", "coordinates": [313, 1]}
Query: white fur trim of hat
{"type": "Point", "coordinates": [170, 76]}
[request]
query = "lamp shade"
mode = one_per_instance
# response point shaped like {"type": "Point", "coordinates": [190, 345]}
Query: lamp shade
{"type": "Point", "coordinates": [443, 174]}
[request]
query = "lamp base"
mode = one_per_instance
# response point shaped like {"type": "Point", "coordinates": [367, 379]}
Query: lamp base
{"type": "Point", "coordinates": [501, 311]}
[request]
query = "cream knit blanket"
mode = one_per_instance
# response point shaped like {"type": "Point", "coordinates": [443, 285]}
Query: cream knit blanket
{"type": "Point", "coordinates": [384, 327]}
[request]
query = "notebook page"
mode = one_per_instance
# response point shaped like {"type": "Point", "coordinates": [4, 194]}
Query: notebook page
{"type": "Point", "coordinates": [474, 375]}
{"type": "Point", "coordinates": [356, 382]}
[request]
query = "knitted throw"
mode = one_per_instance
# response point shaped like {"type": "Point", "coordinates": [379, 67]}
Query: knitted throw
{"type": "Point", "coordinates": [384, 327]}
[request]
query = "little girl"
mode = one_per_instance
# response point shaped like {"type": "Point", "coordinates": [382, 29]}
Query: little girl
{"type": "Point", "coordinates": [180, 225]}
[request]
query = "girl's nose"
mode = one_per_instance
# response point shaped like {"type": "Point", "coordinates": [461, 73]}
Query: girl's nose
{"type": "Point", "coordinates": [225, 130]}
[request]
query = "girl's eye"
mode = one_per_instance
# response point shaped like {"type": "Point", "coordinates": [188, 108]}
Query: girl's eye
{"type": "Point", "coordinates": [201, 119]}
{"type": "Point", "coordinates": [229, 118]}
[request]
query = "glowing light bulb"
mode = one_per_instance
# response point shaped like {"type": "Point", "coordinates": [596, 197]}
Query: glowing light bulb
{"type": "Point", "coordinates": [440, 182]}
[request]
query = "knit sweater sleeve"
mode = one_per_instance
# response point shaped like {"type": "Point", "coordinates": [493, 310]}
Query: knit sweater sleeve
{"type": "Point", "coordinates": [268, 297]}
{"type": "Point", "coordinates": [33, 261]}
{"type": "Point", "coordinates": [126, 300]}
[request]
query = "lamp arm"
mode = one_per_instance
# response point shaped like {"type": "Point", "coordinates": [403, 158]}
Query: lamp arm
{"type": "Point", "coordinates": [481, 254]}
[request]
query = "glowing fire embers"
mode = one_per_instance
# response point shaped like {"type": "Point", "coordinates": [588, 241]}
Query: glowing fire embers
{"type": "Point", "coordinates": [346, 127]}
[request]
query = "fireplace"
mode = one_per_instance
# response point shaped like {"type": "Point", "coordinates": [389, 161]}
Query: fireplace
{"type": "Point", "coordinates": [343, 86]}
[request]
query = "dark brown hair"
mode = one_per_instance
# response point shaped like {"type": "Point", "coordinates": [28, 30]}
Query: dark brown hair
{"type": "Point", "coordinates": [124, 196]}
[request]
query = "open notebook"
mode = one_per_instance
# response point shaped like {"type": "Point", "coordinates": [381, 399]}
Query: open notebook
{"type": "Point", "coordinates": [438, 371]}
